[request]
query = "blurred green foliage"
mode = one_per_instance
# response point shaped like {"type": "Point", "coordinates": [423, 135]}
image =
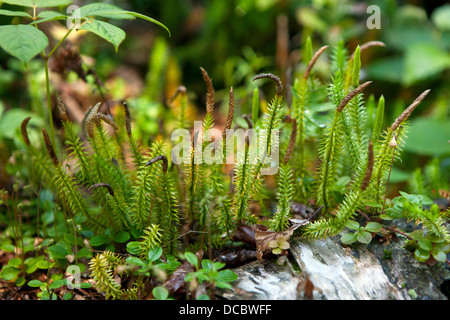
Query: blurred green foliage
{"type": "Point", "coordinates": [236, 39]}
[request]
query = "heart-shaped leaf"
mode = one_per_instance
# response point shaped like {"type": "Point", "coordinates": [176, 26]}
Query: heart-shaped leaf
{"type": "Point", "coordinates": [22, 41]}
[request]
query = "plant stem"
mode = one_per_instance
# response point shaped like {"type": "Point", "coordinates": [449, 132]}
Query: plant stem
{"type": "Point", "coordinates": [47, 84]}
{"type": "Point", "coordinates": [59, 43]}
{"type": "Point", "coordinates": [49, 101]}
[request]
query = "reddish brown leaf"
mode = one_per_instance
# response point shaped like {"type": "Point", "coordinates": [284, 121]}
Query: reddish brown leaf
{"type": "Point", "coordinates": [175, 284]}
{"type": "Point", "coordinates": [244, 233]}
{"type": "Point", "coordinates": [263, 237]}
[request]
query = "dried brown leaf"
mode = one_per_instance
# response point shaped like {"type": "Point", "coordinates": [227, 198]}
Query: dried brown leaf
{"type": "Point", "coordinates": [175, 284]}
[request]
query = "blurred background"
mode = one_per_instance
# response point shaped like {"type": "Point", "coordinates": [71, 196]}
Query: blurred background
{"type": "Point", "coordinates": [234, 40]}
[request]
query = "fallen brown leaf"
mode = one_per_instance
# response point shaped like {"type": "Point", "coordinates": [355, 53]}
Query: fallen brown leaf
{"type": "Point", "coordinates": [175, 284]}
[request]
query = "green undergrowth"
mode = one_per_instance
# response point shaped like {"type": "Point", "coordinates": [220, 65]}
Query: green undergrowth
{"type": "Point", "coordinates": [123, 210]}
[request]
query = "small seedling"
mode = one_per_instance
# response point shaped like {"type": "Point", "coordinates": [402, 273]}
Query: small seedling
{"type": "Point", "coordinates": [361, 234]}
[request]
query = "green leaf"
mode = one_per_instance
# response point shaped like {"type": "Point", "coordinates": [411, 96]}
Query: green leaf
{"type": "Point", "coordinates": [154, 254]}
{"type": "Point", "coordinates": [20, 281]}
{"type": "Point", "coordinates": [348, 238]}
{"type": "Point", "coordinates": [373, 227]}
{"type": "Point", "coordinates": [22, 41]}
{"type": "Point", "coordinates": [15, 13]}
{"type": "Point", "coordinates": [103, 10]}
{"type": "Point", "coordinates": [42, 264]}
{"type": "Point", "coordinates": [84, 253]}
{"type": "Point", "coordinates": [439, 255]}
{"type": "Point", "coordinates": [416, 234]}
{"type": "Point", "coordinates": [309, 18]}
{"type": "Point", "coordinates": [35, 283]}
{"type": "Point", "coordinates": [121, 237]}
{"type": "Point", "coordinates": [428, 136]}
{"type": "Point", "coordinates": [425, 244]}
{"type": "Point", "coordinates": [218, 265]}
{"type": "Point", "coordinates": [9, 273]}
{"type": "Point", "coordinates": [192, 258]}
{"type": "Point", "coordinates": [227, 276]}
{"type": "Point", "coordinates": [32, 263]}
{"type": "Point", "coordinates": [421, 255]}
{"type": "Point", "coordinates": [413, 294]}
{"type": "Point", "coordinates": [57, 284]}
{"type": "Point", "coordinates": [106, 31]}
{"type": "Point", "coordinates": [441, 17]}
{"type": "Point", "coordinates": [351, 224]}
{"type": "Point", "coordinates": [160, 293]}
{"type": "Point", "coordinates": [386, 217]}
{"type": "Point", "coordinates": [423, 60]}
{"type": "Point", "coordinates": [443, 246]}
{"type": "Point", "coordinates": [144, 17]}
{"type": "Point", "coordinates": [46, 16]}
{"type": "Point", "coordinates": [38, 3]}
{"type": "Point", "coordinates": [15, 262]}
{"type": "Point", "coordinates": [58, 251]}
{"type": "Point", "coordinates": [67, 296]}
{"type": "Point", "coordinates": [70, 238]}
{"type": "Point", "coordinates": [207, 264]}
{"type": "Point", "coordinates": [364, 237]}
{"type": "Point", "coordinates": [112, 12]}
{"type": "Point", "coordinates": [134, 247]}
{"type": "Point", "coordinates": [136, 261]}
{"type": "Point", "coordinates": [277, 251]}
{"type": "Point", "coordinates": [7, 247]}
{"type": "Point", "coordinates": [85, 285]}
{"type": "Point", "coordinates": [389, 69]}
{"type": "Point", "coordinates": [98, 240]}
{"type": "Point", "coordinates": [223, 285]}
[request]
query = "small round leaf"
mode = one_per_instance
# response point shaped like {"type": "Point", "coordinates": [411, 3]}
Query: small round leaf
{"type": "Point", "coordinates": [364, 237]}
{"type": "Point", "coordinates": [348, 238]}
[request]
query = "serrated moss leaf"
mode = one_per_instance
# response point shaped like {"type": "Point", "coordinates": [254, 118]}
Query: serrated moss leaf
{"type": "Point", "coordinates": [22, 41]}
{"type": "Point", "coordinates": [106, 31]}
